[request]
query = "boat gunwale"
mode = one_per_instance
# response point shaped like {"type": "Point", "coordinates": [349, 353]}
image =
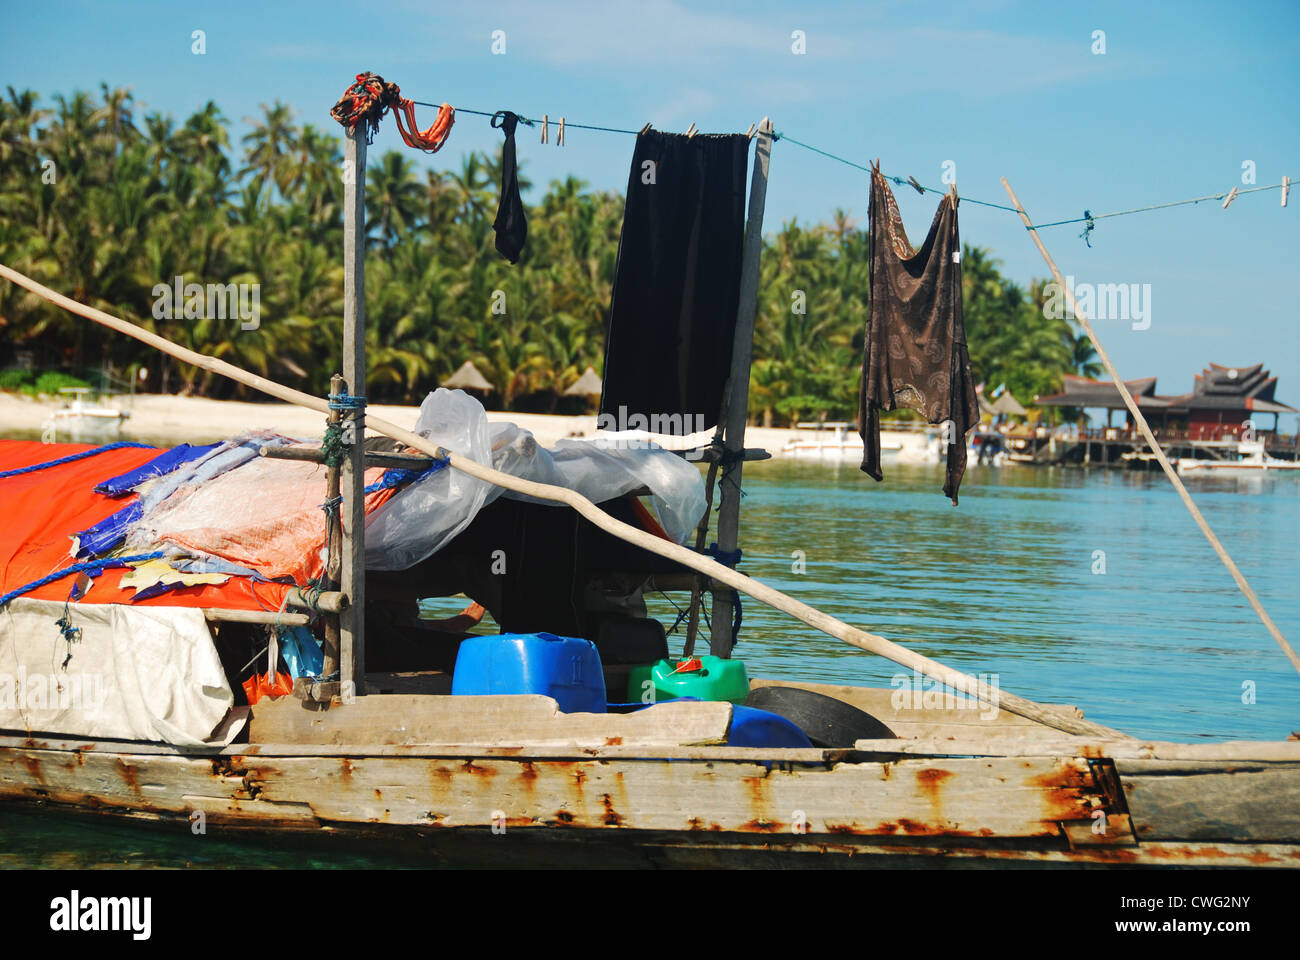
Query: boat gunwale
{"type": "Point", "coordinates": [865, 751]}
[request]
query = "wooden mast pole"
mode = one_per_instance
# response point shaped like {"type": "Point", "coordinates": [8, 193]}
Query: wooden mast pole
{"type": "Point", "coordinates": [352, 637]}
{"type": "Point", "coordinates": [742, 355]}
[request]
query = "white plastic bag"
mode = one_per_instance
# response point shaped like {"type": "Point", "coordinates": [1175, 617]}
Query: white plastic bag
{"type": "Point", "coordinates": [420, 519]}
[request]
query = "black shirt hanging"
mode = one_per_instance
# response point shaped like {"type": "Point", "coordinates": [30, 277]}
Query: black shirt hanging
{"type": "Point", "coordinates": [510, 226]}
{"type": "Point", "coordinates": [672, 315]}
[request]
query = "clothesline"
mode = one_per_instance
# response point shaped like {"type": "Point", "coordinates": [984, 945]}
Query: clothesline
{"type": "Point", "coordinates": [1088, 217]}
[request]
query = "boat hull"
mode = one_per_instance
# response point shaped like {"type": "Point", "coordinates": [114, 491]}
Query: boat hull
{"type": "Point", "coordinates": [691, 806]}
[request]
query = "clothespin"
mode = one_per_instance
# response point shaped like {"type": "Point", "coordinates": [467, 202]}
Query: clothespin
{"type": "Point", "coordinates": [1286, 188]}
{"type": "Point", "coordinates": [545, 124]}
{"type": "Point", "coordinates": [559, 137]}
{"type": "Point", "coordinates": [690, 131]}
{"type": "Point", "coordinates": [952, 191]}
{"type": "Point", "coordinates": [1232, 195]}
{"type": "Point", "coordinates": [916, 186]}
{"type": "Point", "coordinates": [750, 133]}
{"type": "Point", "coordinates": [646, 128]}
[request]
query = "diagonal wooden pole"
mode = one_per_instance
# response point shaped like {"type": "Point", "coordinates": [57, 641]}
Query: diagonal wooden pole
{"type": "Point", "coordinates": [870, 642]}
{"type": "Point", "coordinates": [1141, 421]}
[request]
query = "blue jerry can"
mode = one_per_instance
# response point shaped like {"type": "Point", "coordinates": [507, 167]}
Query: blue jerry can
{"type": "Point", "coordinates": [566, 668]}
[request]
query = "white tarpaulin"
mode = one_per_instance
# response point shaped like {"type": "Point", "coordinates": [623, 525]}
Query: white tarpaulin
{"type": "Point", "coordinates": [420, 519]}
{"type": "Point", "coordinates": [136, 673]}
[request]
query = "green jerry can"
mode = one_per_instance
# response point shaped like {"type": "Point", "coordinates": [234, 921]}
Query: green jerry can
{"type": "Point", "coordinates": [705, 678]}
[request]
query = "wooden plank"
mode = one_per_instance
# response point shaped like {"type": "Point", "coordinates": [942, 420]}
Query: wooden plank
{"type": "Point", "coordinates": [1209, 800]}
{"type": "Point", "coordinates": [907, 801]}
{"type": "Point", "coordinates": [737, 405]}
{"type": "Point", "coordinates": [491, 721]}
{"type": "Point", "coordinates": [352, 641]}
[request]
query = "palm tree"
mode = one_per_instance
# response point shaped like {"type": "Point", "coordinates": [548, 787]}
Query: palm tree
{"type": "Point", "coordinates": [271, 143]}
{"type": "Point", "coordinates": [393, 198]}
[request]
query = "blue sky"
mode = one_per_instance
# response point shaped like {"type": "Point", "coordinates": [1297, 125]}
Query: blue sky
{"type": "Point", "coordinates": [1184, 93]}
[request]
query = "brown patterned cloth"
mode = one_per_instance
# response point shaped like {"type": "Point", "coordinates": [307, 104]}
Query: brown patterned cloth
{"type": "Point", "coordinates": [916, 341]}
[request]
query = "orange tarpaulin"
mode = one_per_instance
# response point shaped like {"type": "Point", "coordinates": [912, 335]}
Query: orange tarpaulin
{"type": "Point", "coordinates": [44, 510]}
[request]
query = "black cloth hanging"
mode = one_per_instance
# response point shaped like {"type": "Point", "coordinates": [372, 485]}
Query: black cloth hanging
{"type": "Point", "coordinates": [916, 352]}
{"type": "Point", "coordinates": [672, 316]}
{"type": "Point", "coordinates": [510, 225]}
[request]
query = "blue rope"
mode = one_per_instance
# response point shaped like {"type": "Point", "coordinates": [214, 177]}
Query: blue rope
{"type": "Point", "coordinates": [724, 557]}
{"type": "Point", "coordinates": [346, 401]}
{"type": "Point", "coordinates": [73, 457]}
{"type": "Point", "coordinates": [730, 558]}
{"type": "Point", "coordinates": [89, 565]}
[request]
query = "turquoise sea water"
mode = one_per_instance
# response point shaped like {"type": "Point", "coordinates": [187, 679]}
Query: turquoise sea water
{"type": "Point", "coordinates": [1161, 644]}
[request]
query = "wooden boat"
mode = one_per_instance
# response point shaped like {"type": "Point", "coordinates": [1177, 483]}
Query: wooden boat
{"type": "Point", "coordinates": [965, 782]}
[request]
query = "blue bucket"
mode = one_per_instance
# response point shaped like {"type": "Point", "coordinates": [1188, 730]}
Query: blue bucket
{"type": "Point", "coordinates": [566, 668]}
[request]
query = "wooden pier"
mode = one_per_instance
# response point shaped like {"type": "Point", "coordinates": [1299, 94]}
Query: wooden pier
{"type": "Point", "coordinates": [1116, 447]}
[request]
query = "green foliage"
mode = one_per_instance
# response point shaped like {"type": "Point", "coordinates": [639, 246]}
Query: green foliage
{"type": "Point", "coordinates": [16, 379]}
{"type": "Point", "coordinates": [52, 381]}
{"type": "Point", "coordinates": [49, 382]}
{"type": "Point", "coordinates": [104, 207]}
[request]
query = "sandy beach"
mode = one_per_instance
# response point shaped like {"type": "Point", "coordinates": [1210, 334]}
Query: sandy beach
{"type": "Point", "coordinates": [163, 419]}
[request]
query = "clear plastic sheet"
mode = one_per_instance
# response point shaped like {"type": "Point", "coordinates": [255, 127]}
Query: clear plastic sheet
{"type": "Point", "coordinates": [419, 520]}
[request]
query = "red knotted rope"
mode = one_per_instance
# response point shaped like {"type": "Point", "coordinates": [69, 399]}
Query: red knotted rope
{"type": "Point", "coordinates": [370, 97]}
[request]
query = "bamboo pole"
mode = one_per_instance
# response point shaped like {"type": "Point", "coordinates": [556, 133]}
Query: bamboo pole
{"type": "Point", "coordinates": [1150, 438]}
{"type": "Point", "coordinates": [861, 639]}
{"type": "Point", "coordinates": [333, 646]}
{"type": "Point", "coordinates": [742, 353]}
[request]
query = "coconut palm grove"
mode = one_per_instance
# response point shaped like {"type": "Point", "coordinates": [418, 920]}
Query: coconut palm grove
{"type": "Point", "coordinates": [104, 204]}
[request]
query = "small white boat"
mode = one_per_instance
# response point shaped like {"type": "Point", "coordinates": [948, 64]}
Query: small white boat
{"type": "Point", "coordinates": [833, 440]}
{"type": "Point", "coordinates": [1251, 458]}
{"type": "Point", "coordinates": [83, 420]}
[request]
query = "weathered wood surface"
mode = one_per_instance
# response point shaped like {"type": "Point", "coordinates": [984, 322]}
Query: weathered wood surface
{"type": "Point", "coordinates": [696, 811]}
{"type": "Point", "coordinates": [1005, 798]}
{"type": "Point", "coordinates": [352, 513]}
{"type": "Point", "coordinates": [519, 721]}
{"type": "Point", "coordinates": [954, 717]}
{"type": "Point", "coordinates": [1206, 799]}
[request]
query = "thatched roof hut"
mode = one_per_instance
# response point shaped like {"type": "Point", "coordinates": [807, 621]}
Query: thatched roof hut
{"type": "Point", "coordinates": [587, 385]}
{"type": "Point", "coordinates": [468, 378]}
